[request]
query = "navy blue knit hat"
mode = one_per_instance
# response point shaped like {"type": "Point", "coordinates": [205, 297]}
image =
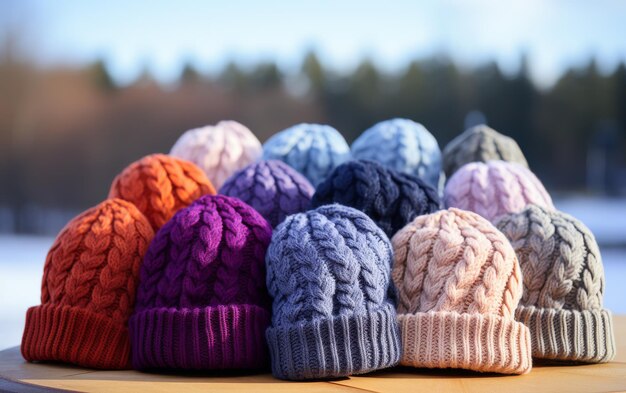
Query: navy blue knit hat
{"type": "Point", "coordinates": [328, 272]}
{"type": "Point", "coordinates": [312, 149]}
{"type": "Point", "coordinates": [403, 145]}
{"type": "Point", "coordinates": [392, 199]}
{"type": "Point", "coordinates": [272, 187]}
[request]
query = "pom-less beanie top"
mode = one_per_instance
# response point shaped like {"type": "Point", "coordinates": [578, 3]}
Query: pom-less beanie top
{"type": "Point", "coordinates": [159, 185]}
{"type": "Point", "coordinates": [314, 150]}
{"type": "Point", "coordinates": [390, 198]}
{"type": "Point", "coordinates": [202, 302]}
{"type": "Point", "coordinates": [218, 150]}
{"type": "Point", "coordinates": [403, 145]}
{"type": "Point", "coordinates": [88, 289]}
{"type": "Point", "coordinates": [458, 283]}
{"type": "Point", "coordinates": [494, 188]}
{"type": "Point", "coordinates": [480, 144]}
{"type": "Point", "coordinates": [328, 274]}
{"type": "Point", "coordinates": [563, 286]}
{"type": "Point", "coordinates": [272, 187]}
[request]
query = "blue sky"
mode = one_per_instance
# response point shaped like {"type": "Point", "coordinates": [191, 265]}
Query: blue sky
{"type": "Point", "coordinates": [162, 35]}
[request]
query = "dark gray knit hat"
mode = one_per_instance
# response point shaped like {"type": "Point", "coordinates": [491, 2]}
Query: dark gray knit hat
{"type": "Point", "coordinates": [563, 286]}
{"type": "Point", "coordinates": [328, 272]}
{"type": "Point", "coordinates": [480, 143]}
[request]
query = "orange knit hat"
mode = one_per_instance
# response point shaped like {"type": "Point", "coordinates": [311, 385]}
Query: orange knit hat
{"type": "Point", "coordinates": [459, 283]}
{"type": "Point", "coordinates": [160, 185]}
{"type": "Point", "coordinates": [88, 289]}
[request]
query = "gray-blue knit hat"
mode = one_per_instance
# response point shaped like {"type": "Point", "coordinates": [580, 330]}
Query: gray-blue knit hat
{"type": "Point", "coordinates": [403, 145]}
{"type": "Point", "coordinates": [328, 272]}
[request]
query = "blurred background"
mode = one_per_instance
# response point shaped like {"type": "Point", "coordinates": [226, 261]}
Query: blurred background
{"type": "Point", "coordinates": [88, 87]}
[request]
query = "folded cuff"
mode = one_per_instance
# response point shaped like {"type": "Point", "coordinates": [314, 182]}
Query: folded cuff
{"type": "Point", "coordinates": [74, 335]}
{"type": "Point", "coordinates": [335, 347]}
{"type": "Point", "coordinates": [570, 335]}
{"type": "Point", "coordinates": [217, 337]}
{"type": "Point", "coordinates": [479, 342]}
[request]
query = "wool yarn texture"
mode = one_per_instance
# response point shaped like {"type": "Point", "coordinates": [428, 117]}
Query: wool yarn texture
{"type": "Point", "coordinates": [88, 289]}
{"type": "Point", "coordinates": [495, 188]}
{"type": "Point", "coordinates": [219, 150]}
{"type": "Point", "coordinates": [314, 150]}
{"type": "Point", "coordinates": [563, 286]}
{"type": "Point", "coordinates": [403, 145]}
{"type": "Point", "coordinates": [272, 187]}
{"type": "Point", "coordinates": [390, 198]}
{"type": "Point", "coordinates": [160, 185]}
{"type": "Point", "coordinates": [459, 283]}
{"type": "Point", "coordinates": [202, 303]}
{"type": "Point", "coordinates": [328, 275]}
{"type": "Point", "coordinates": [480, 144]}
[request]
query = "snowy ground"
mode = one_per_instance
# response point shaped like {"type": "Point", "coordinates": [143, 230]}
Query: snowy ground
{"type": "Point", "coordinates": [22, 257]}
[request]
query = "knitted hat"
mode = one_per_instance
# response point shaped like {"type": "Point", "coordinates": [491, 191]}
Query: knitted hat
{"type": "Point", "coordinates": [392, 199]}
{"type": "Point", "coordinates": [312, 149]}
{"type": "Point", "coordinates": [494, 188]}
{"type": "Point", "coordinates": [202, 301]}
{"type": "Point", "coordinates": [328, 273]}
{"type": "Point", "coordinates": [219, 150]}
{"type": "Point", "coordinates": [403, 145]}
{"type": "Point", "coordinates": [159, 185]}
{"type": "Point", "coordinates": [480, 143]}
{"type": "Point", "coordinates": [458, 283]}
{"type": "Point", "coordinates": [272, 187]}
{"type": "Point", "coordinates": [563, 286]}
{"type": "Point", "coordinates": [88, 289]}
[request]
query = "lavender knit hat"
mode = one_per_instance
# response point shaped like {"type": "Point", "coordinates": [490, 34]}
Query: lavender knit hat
{"type": "Point", "coordinates": [403, 145]}
{"type": "Point", "coordinates": [272, 187]}
{"type": "Point", "coordinates": [390, 198]}
{"type": "Point", "coordinates": [312, 149]}
{"type": "Point", "coordinates": [328, 272]}
{"type": "Point", "coordinates": [202, 302]}
{"type": "Point", "coordinates": [494, 188]}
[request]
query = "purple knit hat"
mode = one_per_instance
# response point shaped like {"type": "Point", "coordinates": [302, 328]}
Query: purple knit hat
{"type": "Point", "coordinates": [272, 187]}
{"type": "Point", "coordinates": [202, 302]}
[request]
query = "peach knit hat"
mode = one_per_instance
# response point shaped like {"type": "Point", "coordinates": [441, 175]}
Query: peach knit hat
{"type": "Point", "coordinates": [219, 150]}
{"type": "Point", "coordinates": [494, 188]}
{"type": "Point", "coordinates": [160, 185]}
{"type": "Point", "coordinates": [458, 283]}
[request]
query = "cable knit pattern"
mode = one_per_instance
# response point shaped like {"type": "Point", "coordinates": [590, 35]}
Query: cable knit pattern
{"type": "Point", "coordinates": [403, 145]}
{"type": "Point", "coordinates": [219, 150]}
{"type": "Point", "coordinates": [272, 187]}
{"type": "Point", "coordinates": [202, 301]}
{"type": "Point", "coordinates": [314, 150]}
{"type": "Point", "coordinates": [328, 275]}
{"type": "Point", "coordinates": [563, 285]}
{"type": "Point", "coordinates": [160, 185]}
{"type": "Point", "coordinates": [480, 144]}
{"type": "Point", "coordinates": [495, 188]}
{"type": "Point", "coordinates": [392, 199]}
{"type": "Point", "coordinates": [88, 289]}
{"type": "Point", "coordinates": [459, 283]}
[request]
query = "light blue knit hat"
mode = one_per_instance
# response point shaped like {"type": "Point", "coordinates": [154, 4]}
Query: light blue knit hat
{"type": "Point", "coordinates": [328, 272]}
{"type": "Point", "coordinates": [403, 145]}
{"type": "Point", "coordinates": [312, 149]}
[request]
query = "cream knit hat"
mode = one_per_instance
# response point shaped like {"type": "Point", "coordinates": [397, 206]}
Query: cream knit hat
{"type": "Point", "coordinates": [563, 286]}
{"type": "Point", "coordinates": [458, 284]}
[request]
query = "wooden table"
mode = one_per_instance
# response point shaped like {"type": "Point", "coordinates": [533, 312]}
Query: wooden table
{"type": "Point", "coordinates": [17, 375]}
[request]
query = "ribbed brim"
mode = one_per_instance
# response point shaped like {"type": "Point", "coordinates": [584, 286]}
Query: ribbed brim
{"type": "Point", "coordinates": [479, 342]}
{"type": "Point", "coordinates": [208, 338]}
{"type": "Point", "coordinates": [73, 335]}
{"type": "Point", "coordinates": [335, 347]}
{"type": "Point", "coordinates": [571, 335]}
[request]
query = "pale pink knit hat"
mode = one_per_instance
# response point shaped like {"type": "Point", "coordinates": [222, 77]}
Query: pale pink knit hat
{"type": "Point", "coordinates": [458, 283]}
{"type": "Point", "coordinates": [219, 150]}
{"type": "Point", "coordinates": [494, 188]}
